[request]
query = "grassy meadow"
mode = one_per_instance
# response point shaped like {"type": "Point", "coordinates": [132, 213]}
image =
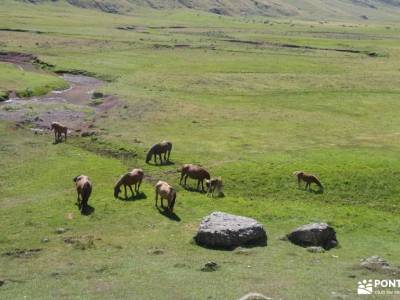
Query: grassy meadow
{"type": "Point", "coordinates": [232, 96]}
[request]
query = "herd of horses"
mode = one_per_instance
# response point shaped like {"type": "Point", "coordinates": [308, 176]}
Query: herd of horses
{"type": "Point", "coordinates": [162, 189]}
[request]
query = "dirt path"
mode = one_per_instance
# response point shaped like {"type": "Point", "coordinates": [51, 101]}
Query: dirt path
{"type": "Point", "coordinates": [39, 112]}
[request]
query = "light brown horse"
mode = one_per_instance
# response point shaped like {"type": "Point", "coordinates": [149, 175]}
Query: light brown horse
{"type": "Point", "coordinates": [134, 177]}
{"type": "Point", "coordinates": [194, 172]}
{"type": "Point", "coordinates": [84, 190]}
{"type": "Point", "coordinates": [163, 148]}
{"type": "Point", "coordinates": [59, 129]}
{"type": "Point", "coordinates": [214, 185]}
{"type": "Point", "coordinates": [308, 179]}
{"type": "Point", "coordinates": [166, 192]}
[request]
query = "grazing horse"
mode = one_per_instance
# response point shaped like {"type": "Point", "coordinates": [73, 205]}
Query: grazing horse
{"type": "Point", "coordinates": [84, 189]}
{"type": "Point", "coordinates": [59, 129]}
{"type": "Point", "coordinates": [134, 177]}
{"type": "Point", "coordinates": [158, 149]}
{"type": "Point", "coordinates": [194, 172]}
{"type": "Point", "coordinates": [166, 192]}
{"type": "Point", "coordinates": [214, 184]}
{"type": "Point", "coordinates": [308, 179]}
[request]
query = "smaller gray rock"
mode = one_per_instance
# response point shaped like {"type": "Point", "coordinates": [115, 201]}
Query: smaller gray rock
{"type": "Point", "coordinates": [255, 296]}
{"type": "Point", "coordinates": [314, 249]}
{"type": "Point", "coordinates": [60, 230]}
{"type": "Point", "coordinates": [45, 240]}
{"type": "Point", "coordinates": [374, 263]}
{"type": "Point", "coordinates": [156, 251]}
{"type": "Point", "coordinates": [314, 234]}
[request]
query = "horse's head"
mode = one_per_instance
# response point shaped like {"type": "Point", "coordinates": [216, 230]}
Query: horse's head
{"type": "Point", "coordinates": [117, 190]}
{"type": "Point", "coordinates": [208, 183]}
{"type": "Point", "coordinates": [148, 157]}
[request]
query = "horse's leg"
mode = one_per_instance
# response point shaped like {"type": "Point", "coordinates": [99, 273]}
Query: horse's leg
{"type": "Point", "coordinates": [182, 175]}
{"type": "Point", "coordinates": [159, 155]}
{"type": "Point", "coordinates": [186, 177]}
{"type": "Point", "coordinates": [169, 153]}
{"type": "Point", "coordinates": [155, 159]}
{"type": "Point", "coordinates": [126, 195]}
{"type": "Point", "coordinates": [156, 197]}
{"type": "Point", "coordinates": [130, 187]}
{"type": "Point", "coordinates": [198, 184]}
{"type": "Point", "coordinates": [65, 133]}
{"type": "Point", "coordinates": [138, 187]}
{"type": "Point", "coordinates": [202, 185]}
{"type": "Point", "coordinates": [162, 202]}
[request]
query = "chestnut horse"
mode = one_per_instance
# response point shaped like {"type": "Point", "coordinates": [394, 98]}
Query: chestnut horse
{"type": "Point", "coordinates": [84, 190]}
{"type": "Point", "coordinates": [159, 149]}
{"type": "Point", "coordinates": [194, 172]}
{"type": "Point", "coordinates": [59, 129]}
{"type": "Point", "coordinates": [166, 192]}
{"type": "Point", "coordinates": [308, 179]}
{"type": "Point", "coordinates": [134, 177]}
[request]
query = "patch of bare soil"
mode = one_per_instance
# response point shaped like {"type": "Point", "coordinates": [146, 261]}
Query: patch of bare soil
{"type": "Point", "coordinates": [22, 253]}
{"type": "Point", "coordinates": [81, 242]}
{"type": "Point", "coordinates": [80, 93]}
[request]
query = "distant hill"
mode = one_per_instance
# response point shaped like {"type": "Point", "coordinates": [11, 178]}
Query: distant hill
{"type": "Point", "coordinates": [310, 9]}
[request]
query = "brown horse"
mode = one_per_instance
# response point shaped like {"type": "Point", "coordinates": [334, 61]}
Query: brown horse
{"type": "Point", "coordinates": [159, 149]}
{"type": "Point", "coordinates": [194, 172]}
{"type": "Point", "coordinates": [308, 179]}
{"type": "Point", "coordinates": [84, 190]}
{"type": "Point", "coordinates": [166, 192]}
{"type": "Point", "coordinates": [134, 177]}
{"type": "Point", "coordinates": [59, 129]}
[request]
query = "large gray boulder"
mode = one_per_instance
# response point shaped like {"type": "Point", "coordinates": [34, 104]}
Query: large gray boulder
{"type": "Point", "coordinates": [315, 234]}
{"type": "Point", "coordinates": [222, 230]}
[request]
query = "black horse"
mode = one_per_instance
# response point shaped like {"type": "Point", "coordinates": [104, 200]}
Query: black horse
{"type": "Point", "coordinates": [159, 149]}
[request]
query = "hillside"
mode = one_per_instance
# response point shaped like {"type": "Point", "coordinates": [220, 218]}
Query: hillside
{"type": "Point", "coordinates": [309, 9]}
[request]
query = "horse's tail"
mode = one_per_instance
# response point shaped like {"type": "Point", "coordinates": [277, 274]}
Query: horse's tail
{"type": "Point", "coordinates": [149, 155]}
{"type": "Point", "coordinates": [86, 191]}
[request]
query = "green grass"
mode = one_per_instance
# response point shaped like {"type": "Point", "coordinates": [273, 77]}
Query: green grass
{"type": "Point", "coordinates": [250, 113]}
{"type": "Point", "coordinates": [27, 84]}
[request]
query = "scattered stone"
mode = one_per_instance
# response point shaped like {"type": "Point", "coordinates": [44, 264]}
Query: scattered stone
{"type": "Point", "coordinates": [87, 133]}
{"type": "Point", "coordinates": [156, 251]}
{"type": "Point", "coordinates": [45, 240]}
{"type": "Point", "coordinates": [314, 249]}
{"type": "Point", "coordinates": [226, 231]}
{"type": "Point", "coordinates": [374, 263]}
{"type": "Point", "coordinates": [97, 95]}
{"type": "Point", "coordinates": [81, 242]}
{"type": "Point", "coordinates": [242, 251]}
{"type": "Point", "coordinates": [60, 230]}
{"type": "Point", "coordinates": [211, 266]}
{"type": "Point", "coordinates": [315, 234]}
{"type": "Point", "coordinates": [338, 296]}
{"type": "Point", "coordinates": [255, 296]}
